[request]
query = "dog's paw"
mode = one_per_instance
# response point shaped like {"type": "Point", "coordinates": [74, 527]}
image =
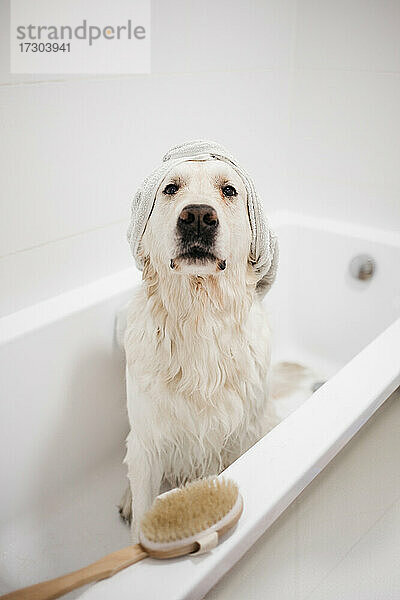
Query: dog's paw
{"type": "Point", "coordinates": [125, 506]}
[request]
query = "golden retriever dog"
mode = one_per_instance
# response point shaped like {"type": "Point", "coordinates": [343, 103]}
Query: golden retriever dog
{"type": "Point", "coordinates": [197, 341]}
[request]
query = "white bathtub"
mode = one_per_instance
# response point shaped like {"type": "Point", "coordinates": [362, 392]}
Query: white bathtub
{"type": "Point", "coordinates": [63, 424]}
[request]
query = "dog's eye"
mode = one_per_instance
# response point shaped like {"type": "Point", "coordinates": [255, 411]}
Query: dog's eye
{"type": "Point", "coordinates": [229, 190]}
{"type": "Point", "coordinates": [170, 189]}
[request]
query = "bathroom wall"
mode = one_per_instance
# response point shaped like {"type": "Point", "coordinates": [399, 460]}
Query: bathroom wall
{"type": "Point", "coordinates": [305, 93]}
{"type": "Point", "coordinates": [344, 147]}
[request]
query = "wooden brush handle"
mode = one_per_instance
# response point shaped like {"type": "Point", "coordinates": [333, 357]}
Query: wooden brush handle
{"type": "Point", "coordinates": [101, 569]}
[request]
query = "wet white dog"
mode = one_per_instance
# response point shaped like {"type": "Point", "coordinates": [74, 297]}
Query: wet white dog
{"type": "Point", "coordinates": [197, 341]}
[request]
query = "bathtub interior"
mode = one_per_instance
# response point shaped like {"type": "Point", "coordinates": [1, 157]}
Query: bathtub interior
{"type": "Point", "coordinates": [320, 315]}
{"type": "Point", "coordinates": [64, 396]}
{"type": "Point", "coordinates": [63, 425]}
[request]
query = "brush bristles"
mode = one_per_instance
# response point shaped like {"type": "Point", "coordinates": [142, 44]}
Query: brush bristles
{"type": "Point", "coordinates": [189, 510]}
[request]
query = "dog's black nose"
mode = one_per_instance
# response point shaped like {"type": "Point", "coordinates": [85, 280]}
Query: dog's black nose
{"type": "Point", "coordinates": [198, 219]}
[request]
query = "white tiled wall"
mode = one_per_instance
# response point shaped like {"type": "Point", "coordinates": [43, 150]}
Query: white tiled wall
{"type": "Point", "coordinates": [305, 93]}
{"type": "Point", "coordinates": [344, 150]}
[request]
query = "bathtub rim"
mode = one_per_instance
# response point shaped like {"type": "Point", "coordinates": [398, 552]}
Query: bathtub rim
{"type": "Point", "coordinates": [56, 308]}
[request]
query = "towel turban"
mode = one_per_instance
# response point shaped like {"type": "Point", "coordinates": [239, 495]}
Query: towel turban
{"type": "Point", "coordinates": [263, 255]}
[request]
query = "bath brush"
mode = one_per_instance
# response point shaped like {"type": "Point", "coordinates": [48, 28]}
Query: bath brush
{"type": "Point", "coordinates": [186, 520]}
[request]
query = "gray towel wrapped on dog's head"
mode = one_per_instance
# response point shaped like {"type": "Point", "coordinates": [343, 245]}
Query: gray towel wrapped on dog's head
{"type": "Point", "coordinates": [263, 255]}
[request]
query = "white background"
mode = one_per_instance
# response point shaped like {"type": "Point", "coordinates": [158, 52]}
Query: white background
{"type": "Point", "coordinates": [305, 93]}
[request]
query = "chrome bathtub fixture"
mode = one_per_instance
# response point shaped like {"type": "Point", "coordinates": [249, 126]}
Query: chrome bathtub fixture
{"type": "Point", "coordinates": [362, 267]}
